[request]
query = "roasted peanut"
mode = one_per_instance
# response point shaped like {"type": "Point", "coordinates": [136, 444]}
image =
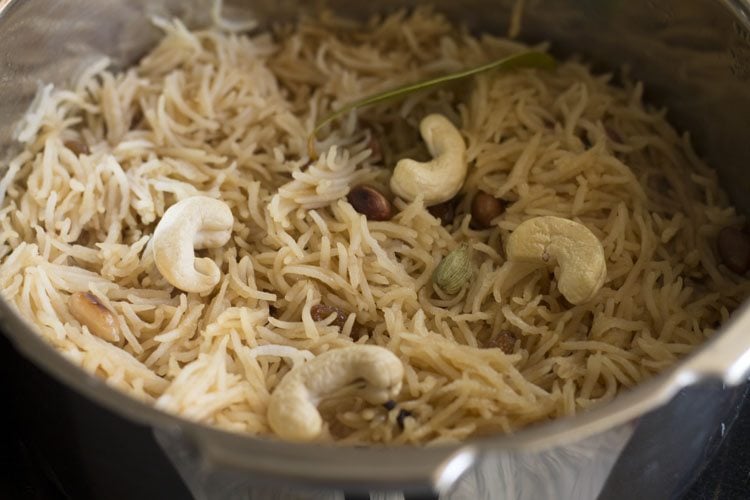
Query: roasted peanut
{"type": "Point", "coordinates": [369, 201]}
{"type": "Point", "coordinates": [91, 313]}
{"type": "Point", "coordinates": [484, 208]}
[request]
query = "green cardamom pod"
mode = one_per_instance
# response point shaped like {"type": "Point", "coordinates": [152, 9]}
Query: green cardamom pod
{"type": "Point", "coordinates": [454, 270]}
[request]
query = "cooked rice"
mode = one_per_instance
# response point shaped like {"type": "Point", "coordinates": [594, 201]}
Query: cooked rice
{"type": "Point", "coordinates": [227, 116]}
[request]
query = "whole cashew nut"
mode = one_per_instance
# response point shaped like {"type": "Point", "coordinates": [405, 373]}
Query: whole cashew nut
{"type": "Point", "coordinates": [193, 223]}
{"type": "Point", "coordinates": [374, 371]}
{"type": "Point", "coordinates": [440, 179]}
{"type": "Point", "coordinates": [572, 245]}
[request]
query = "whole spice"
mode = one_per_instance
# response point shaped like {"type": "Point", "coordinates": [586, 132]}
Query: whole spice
{"type": "Point", "coordinates": [77, 147]}
{"type": "Point", "coordinates": [660, 184]}
{"type": "Point", "coordinates": [613, 134]}
{"type": "Point", "coordinates": [369, 201]}
{"type": "Point", "coordinates": [445, 211]}
{"type": "Point", "coordinates": [375, 148]}
{"type": "Point", "coordinates": [484, 208]}
{"type": "Point", "coordinates": [358, 331]}
{"type": "Point", "coordinates": [402, 415]}
{"type": "Point", "coordinates": [504, 340]}
{"type": "Point", "coordinates": [531, 59]}
{"type": "Point", "coordinates": [389, 405]}
{"type": "Point", "coordinates": [734, 249]}
{"type": "Point", "coordinates": [87, 309]}
{"type": "Point", "coordinates": [454, 270]}
{"type": "Point", "coordinates": [319, 312]}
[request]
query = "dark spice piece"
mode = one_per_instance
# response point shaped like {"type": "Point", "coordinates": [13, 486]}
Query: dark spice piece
{"type": "Point", "coordinates": [734, 249]}
{"type": "Point", "coordinates": [660, 184]}
{"type": "Point", "coordinates": [137, 118]}
{"type": "Point", "coordinates": [402, 414]}
{"type": "Point", "coordinates": [358, 331]}
{"type": "Point", "coordinates": [77, 147]}
{"type": "Point", "coordinates": [389, 405]}
{"type": "Point", "coordinates": [612, 133]}
{"type": "Point", "coordinates": [369, 201]}
{"type": "Point", "coordinates": [505, 341]}
{"type": "Point", "coordinates": [319, 312]}
{"type": "Point", "coordinates": [374, 146]}
{"type": "Point", "coordinates": [445, 211]}
{"type": "Point", "coordinates": [339, 429]}
{"type": "Point", "coordinates": [484, 208]}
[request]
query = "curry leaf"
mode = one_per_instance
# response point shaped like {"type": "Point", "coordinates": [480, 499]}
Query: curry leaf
{"type": "Point", "coordinates": [532, 59]}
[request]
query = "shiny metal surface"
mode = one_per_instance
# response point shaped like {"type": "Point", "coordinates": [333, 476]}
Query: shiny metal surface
{"type": "Point", "coordinates": [694, 56]}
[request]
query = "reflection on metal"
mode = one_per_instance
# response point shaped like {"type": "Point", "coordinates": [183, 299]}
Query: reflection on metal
{"type": "Point", "coordinates": [573, 472]}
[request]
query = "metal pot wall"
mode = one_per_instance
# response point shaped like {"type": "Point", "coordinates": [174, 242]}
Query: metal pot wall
{"type": "Point", "coordinates": [695, 57]}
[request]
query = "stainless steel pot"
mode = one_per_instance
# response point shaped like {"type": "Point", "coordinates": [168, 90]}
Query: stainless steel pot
{"type": "Point", "coordinates": [695, 57]}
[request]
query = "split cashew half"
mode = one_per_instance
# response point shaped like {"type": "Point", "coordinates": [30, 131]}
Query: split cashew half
{"type": "Point", "coordinates": [572, 245]}
{"type": "Point", "coordinates": [373, 372]}
{"type": "Point", "coordinates": [193, 223]}
{"type": "Point", "coordinates": [440, 179]}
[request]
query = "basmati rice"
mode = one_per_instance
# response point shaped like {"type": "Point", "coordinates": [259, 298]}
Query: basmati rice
{"type": "Point", "coordinates": [226, 115]}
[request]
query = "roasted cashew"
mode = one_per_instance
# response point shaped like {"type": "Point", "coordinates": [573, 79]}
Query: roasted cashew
{"type": "Point", "coordinates": [572, 245]}
{"type": "Point", "coordinates": [374, 372]}
{"type": "Point", "coordinates": [193, 223]}
{"type": "Point", "coordinates": [440, 179]}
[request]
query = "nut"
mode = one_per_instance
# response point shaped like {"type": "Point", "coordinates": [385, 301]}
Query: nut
{"type": "Point", "coordinates": [193, 223]}
{"type": "Point", "coordinates": [440, 179]}
{"type": "Point", "coordinates": [373, 372]}
{"type": "Point", "coordinates": [734, 249]}
{"type": "Point", "coordinates": [91, 313]}
{"type": "Point", "coordinates": [548, 240]}
{"type": "Point", "coordinates": [454, 270]}
{"type": "Point", "coordinates": [484, 208]}
{"type": "Point", "coordinates": [369, 201]}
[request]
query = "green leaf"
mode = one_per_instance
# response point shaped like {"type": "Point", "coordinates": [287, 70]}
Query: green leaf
{"type": "Point", "coordinates": [532, 59]}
